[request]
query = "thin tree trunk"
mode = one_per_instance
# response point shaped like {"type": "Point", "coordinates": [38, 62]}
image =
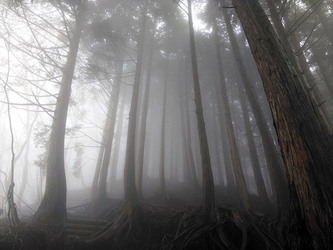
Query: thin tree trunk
{"type": "Point", "coordinates": [325, 73]}
{"type": "Point", "coordinates": [262, 192]}
{"type": "Point", "coordinates": [189, 143]}
{"type": "Point", "coordinates": [130, 191]}
{"type": "Point", "coordinates": [142, 134]}
{"type": "Point", "coordinates": [94, 187]}
{"type": "Point", "coordinates": [188, 178]}
{"type": "Point", "coordinates": [114, 164]}
{"type": "Point", "coordinates": [112, 119]}
{"type": "Point", "coordinates": [53, 205]}
{"type": "Point", "coordinates": [207, 176]}
{"type": "Point", "coordinates": [239, 176]}
{"type": "Point", "coordinates": [163, 132]}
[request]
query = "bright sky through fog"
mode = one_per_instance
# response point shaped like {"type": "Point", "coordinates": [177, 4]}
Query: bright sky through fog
{"type": "Point", "coordinates": [197, 9]}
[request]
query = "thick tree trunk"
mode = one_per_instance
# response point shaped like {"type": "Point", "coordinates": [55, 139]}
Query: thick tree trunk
{"type": "Point", "coordinates": [301, 66]}
{"type": "Point", "coordinates": [207, 176]}
{"type": "Point", "coordinates": [53, 205]}
{"type": "Point", "coordinates": [305, 144]}
{"type": "Point", "coordinates": [274, 163]}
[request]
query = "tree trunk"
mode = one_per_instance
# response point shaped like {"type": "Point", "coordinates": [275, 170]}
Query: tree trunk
{"type": "Point", "coordinates": [189, 141]}
{"type": "Point", "coordinates": [130, 191]}
{"type": "Point", "coordinates": [305, 144]}
{"type": "Point", "coordinates": [236, 164]}
{"type": "Point", "coordinates": [114, 164]}
{"type": "Point", "coordinates": [163, 132]}
{"type": "Point", "coordinates": [188, 178]}
{"type": "Point", "coordinates": [53, 205]}
{"type": "Point", "coordinates": [112, 120]}
{"type": "Point", "coordinates": [274, 163]}
{"type": "Point", "coordinates": [207, 176]}
{"type": "Point", "coordinates": [301, 66]}
{"type": "Point", "coordinates": [142, 134]}
{"type": "Point", "coordinates": [262, 192]}
{"type": "Point", "coordinates": [325, 73]}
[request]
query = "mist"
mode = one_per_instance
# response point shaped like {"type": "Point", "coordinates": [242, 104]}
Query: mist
{"type": "Point", "coordinates": [166, 124]}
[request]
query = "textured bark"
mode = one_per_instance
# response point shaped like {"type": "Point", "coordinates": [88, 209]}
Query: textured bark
{"type": "Point", "coordinates": [301, 66]}
{"type": "Point", "coordinates": [130, 191]}
{"type": "Point", "coordinates": [306, 146]}
{"type": "Point", "coordinates": [236, 164]}
{"type": "Point", "coordinates": [53, 205]}
{"type": "Point", "coordinates": [207, 176]}
{"type": "Point", "coordinates": [274, 162]}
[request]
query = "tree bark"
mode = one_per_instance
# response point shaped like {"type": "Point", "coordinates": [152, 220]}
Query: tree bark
{"type": "Point", "coordinates": [274, 162]}
{"type": "Point", "coordinates": [305, 144]}
{"type": "Point", "coordinates": [301, 66]}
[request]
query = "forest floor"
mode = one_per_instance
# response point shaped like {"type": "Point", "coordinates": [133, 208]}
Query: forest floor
{"type": "Point", "coordinates": [171, 221]}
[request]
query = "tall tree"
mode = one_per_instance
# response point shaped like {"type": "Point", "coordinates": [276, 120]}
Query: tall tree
{"type": "Point", "coordinates": [234, 154]}
{"type": "Point", "coordinates": [291, 44]}
{"type": "Point", "coordinates": [142, 134]}
{"type": "Point", "coordinates": [306, 146]}
{"type": "Point", "coordinates": [130, 190]}
{"type": "Point", "coordinates": [53, 206]}
{"type": "Point", "coordinates": [274, 163]}
{"type": "Point", "coordinates": [207, 176]}
{"type": "Point", "coordinates": [162, 185]}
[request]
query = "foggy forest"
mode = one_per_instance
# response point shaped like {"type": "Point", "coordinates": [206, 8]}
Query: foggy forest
{"type": "Point", "coordinates": [166, 124]}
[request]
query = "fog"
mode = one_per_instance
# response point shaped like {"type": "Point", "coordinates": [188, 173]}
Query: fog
{"type": "Point", "coordinates": [133, 82]}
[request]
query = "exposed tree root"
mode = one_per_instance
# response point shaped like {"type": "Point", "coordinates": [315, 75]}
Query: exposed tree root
{"type": "Point", "coordinates": [232, 229]}
{"type": "Point", "coordinates": [160, 227]}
